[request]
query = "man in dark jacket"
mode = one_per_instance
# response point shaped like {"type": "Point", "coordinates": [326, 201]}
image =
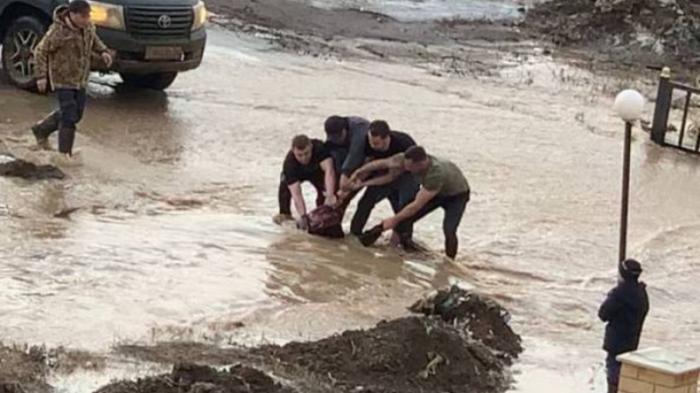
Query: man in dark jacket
{"type": "Point", "coordinates": [346, 138]}
{"type": "Point", "coordinates": [382, 143]}
{"type": "Point", "coordinates": [306, 161]}
{"type": "Point", "coordinates": [624, 310]}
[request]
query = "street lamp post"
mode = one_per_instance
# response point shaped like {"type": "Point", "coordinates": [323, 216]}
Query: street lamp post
{"type": "Point", "coordinates": [629, 105]}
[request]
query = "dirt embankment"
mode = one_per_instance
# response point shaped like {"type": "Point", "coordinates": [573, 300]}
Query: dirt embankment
{"type": "Point", "coordinates": [190, 378]}
{"type": "Point", "coordinates": [455, 46]}
{"type": "Point", "coordinates": [461, 343]}
{"type": "Point", "coordinates": [634, 32]}
{"type": "Point", "coordinates": [25, 369]}
{"type": "Point", "coordinates": [303, 19]}
{"type": "Point", "coordinates": [609, 33]}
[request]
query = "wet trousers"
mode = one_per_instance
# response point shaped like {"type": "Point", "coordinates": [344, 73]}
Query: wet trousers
{"type": "Point", "coordinates": [400, 193]}
{"type": "Point", "coordinates": [71, 105]}
{"type": "Point", "coordinates": [612, 367]}
{"type": "Point", "coordinates": [454, 207]}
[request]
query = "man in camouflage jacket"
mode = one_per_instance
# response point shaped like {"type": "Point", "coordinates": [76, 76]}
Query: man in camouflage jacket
{"type": "Point", "coordinates": [63, 63]}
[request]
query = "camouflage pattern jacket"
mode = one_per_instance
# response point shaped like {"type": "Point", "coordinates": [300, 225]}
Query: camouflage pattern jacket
{"type": "Point", "coordinates": [64, 54]}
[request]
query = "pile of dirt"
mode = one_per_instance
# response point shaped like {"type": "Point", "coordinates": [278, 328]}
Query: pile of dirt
{"type": "Point", "coordinates": [15, 167]}
{"type": "Point", "coordinates": [191, 378]}
{"type": "Point", "coordinates": [663, 30]}
{"type": "Point", "coordinates": [465, 345]}
{"type": "Point", "coordinates": [480, 317]}
{"type": "Point", "coordinates": [23, 370]}
{"type": "Point", "coordinates": [404, 355]}
{"type": "Point", "coordinates": [460, 343]}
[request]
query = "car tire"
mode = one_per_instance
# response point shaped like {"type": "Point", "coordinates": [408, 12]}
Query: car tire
{"type": "Point", "coordinates": [157, 81]}
{"type": "Point", "coordinates": [18, 50]}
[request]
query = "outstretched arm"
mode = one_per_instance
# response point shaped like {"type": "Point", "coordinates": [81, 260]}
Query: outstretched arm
{"type": "Point", "coordinates": [370, 167]}
{"type": "Point", "coordinates": [329, 180]}
{"type": "Point", "coordinates": [298, 198]}
{"type": "Point", "coordinates": [424, 196]}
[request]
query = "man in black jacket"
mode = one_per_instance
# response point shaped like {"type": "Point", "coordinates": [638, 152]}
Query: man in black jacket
{"type": "Point", "coordinates": [307, 160]}
{"type": "Point", "coordinates": [346, 138]}
{"type": "Point", "coordinates": [382, 142]}
{"type": "Point", "coordinates": [624, 310]}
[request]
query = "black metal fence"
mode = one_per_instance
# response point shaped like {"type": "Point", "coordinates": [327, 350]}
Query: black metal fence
{"type": "Point", "coordinates": [681, 138]}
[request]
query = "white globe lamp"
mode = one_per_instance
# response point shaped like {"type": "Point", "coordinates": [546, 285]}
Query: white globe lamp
{"type": "Point", "coordinates": [629, 105]}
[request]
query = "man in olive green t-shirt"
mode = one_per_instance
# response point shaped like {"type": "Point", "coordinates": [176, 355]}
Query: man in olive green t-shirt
{"type": "Point", "coordinates": [443, 185]}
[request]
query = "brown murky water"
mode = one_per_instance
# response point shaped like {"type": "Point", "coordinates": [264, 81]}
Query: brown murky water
{"type": "Point", "coordinates": [173, 238]}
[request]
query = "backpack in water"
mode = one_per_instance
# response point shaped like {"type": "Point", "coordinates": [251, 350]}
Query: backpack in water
{"type": "Point", "coordinates": [326, 221]}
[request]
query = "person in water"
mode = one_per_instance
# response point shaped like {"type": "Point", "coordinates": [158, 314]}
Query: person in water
{"type": "Point", "coordinates": [346, 138]}
{"type": "Point", "coordinates": [307, 161]}
{"type": "Point", "coordinates": [442, 185]}
{"type": "Point", "coordinates": [382, 143]}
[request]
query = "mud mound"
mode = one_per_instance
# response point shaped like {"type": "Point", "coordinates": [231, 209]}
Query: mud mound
{"type": "Point", "coordinates": [664, 27]}
{"type": "Point", "coordinates": [190, 378]}
{"type": "Point", "coordinates": [404, 355]}
{"type": "Point", "coordinates": [481, 317]}
{"type": "Point", "coordinates": [462, 343]}
{"type": "Point", "coordinates": [22, 371]}
{"type": "Point", "coordinates": [14, 167]}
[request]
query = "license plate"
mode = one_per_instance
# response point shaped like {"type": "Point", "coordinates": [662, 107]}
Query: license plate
{"type": "Point", "coordinates": [164, 53]}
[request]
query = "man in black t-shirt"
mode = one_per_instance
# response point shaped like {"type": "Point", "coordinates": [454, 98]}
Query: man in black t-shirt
{"type": "Point", "coordinates": [382, 142]}
{"type": "Point", "coordinates": [308, 160]}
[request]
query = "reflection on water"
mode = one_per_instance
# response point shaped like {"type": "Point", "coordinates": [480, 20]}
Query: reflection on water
{"type": "Point", "coordinates": [173, 239]}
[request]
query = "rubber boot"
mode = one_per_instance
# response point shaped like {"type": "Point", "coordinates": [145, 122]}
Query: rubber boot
{"type": "Point", "coordinates": [370, 237]}
{"type": "Point", "coordinates": [44, 128]}
{"type": "Point", "coordinates": [66, 137]}
{"type": "Point", "coordinates": [408, 244]}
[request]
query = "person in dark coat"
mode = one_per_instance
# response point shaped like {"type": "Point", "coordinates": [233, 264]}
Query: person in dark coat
{"type": "Point", "coordinates": [346, 140]}
{"type": "Point", "coordinates": [624, 310]}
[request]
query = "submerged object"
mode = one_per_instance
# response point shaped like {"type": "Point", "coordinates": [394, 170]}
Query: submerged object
{"type": "Point", "coordinates": [326, 221]}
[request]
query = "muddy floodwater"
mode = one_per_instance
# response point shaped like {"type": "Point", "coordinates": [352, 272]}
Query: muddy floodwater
{"type": "Point", "coordinates": [172, 239]}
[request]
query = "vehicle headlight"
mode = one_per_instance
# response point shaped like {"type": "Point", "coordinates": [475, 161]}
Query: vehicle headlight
{"type": "Point", "coordinates": [200, 16]}
{"type": "Point", "coordinates": [107, 15]}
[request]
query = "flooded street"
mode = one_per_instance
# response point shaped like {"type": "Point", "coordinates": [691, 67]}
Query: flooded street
{"type": "Point", "coordinates": [408, 10]}
{"type": "Point", "coordinates": [173, 236]}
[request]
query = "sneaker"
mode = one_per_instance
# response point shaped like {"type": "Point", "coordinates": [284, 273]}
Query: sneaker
{"type": "Point", "coordinates": [279, 219]}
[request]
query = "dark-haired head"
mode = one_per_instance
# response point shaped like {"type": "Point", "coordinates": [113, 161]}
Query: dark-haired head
{"type": "Point", "coordinates": [379, 135]}
{"type": "Point", "coordinates": [336, 129]}
{"type": "Point", "coordinates": [302, 148]}
{"type": "Point", "coordinates": [417, 160]}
